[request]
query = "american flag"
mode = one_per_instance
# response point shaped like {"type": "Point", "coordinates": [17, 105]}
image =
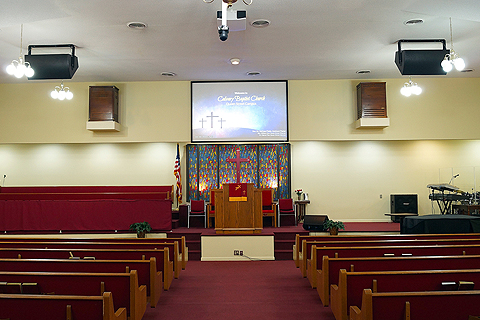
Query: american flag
{"type": "Point", "coordinates": [176, 173]}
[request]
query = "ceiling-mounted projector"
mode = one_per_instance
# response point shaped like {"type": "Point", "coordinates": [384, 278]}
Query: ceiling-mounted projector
{"type": "Point", "coordinates": [236, 19]}
{"type": "Point", "coordinates": [421, 62]}
{"type": "Point", "coordinates": [52, 66]}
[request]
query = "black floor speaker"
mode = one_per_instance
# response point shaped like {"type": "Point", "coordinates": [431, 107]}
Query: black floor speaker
{"type": "Point", "coordinates": [314, 222]}
{"type": "Point", "coordinates": [403, 203]}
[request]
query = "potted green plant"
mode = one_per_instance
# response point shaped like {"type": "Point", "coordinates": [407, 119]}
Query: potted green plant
{"type": "Point", "coordinates": [333, 226]}
{"type": "Point", "coordinates": [141, 228]}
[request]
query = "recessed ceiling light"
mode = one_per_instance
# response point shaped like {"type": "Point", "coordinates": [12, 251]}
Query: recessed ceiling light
{"type": "Point", "coordinates": [467, 70]}
{"type": "Point", "coordinates": [253, 73]}
{"type": "Point", "coordinates": [411, 22]}
{"type": "Point", "coordinates": [363, 71]}
{"type": "Point", "coordinates": [137, 25]}
{"type": "Point", "coordinates": [168, 74]}
{"type": "Point", "coordinates": [260, 23]}
{"type": "Point", "coordinates": [235, 61]}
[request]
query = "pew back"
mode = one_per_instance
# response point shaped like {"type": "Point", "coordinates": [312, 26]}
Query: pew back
{"type": "Point", "coordinates": [443, 305]}
{"type": "Point", "coordinates": [182, 247]}
{"type": "Point", "coordinates": [48, 307]}
{"type": "Point", "coordinates": [146, 270]}
{"type": "Point", "coordinates": [123, 286]}
{"type": "Point", "coordinates": [174, 254]}
{"type": "Point", "coordinates": [351, 284]}
{"type": "Point", "coordinates": [307, 245]}
{"type": "Point", "coordinates": [331, 267]}
{"type": "Point", "coordinates": [315, 262]}
{"type": "Point", "coordinates": [161, 256]}
{"type": "Point", "coordinates": [298, 250]}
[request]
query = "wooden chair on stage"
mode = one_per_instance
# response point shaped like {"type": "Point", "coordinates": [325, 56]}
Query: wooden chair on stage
{"type": "Point", "coordinates": [269, 208]}
{"type": "Point", "coordinates": [287, 215]}
{"type": "Point", "coordinates": [211, 208]}
{"type": "Point", "coordinates": [197, 208]}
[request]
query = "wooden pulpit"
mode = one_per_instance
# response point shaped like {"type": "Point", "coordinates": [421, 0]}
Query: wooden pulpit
{"type": "Point", "coordinates": [238, 209]}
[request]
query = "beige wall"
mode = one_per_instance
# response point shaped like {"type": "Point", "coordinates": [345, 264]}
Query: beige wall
{"type": "Point", "coordinates": [318, 110]}
{"type": "Point", "coordinates": [344, 170]}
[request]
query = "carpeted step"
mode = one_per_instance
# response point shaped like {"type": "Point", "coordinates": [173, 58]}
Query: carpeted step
{"type": "Point", "coordinates": [283, 244]}
{"type": "Point", "coordinates": [194, 255]}
{"type": "Point", "coordinates": [175, 224]}
{"type": "Point", "coordinates": [283, 254]}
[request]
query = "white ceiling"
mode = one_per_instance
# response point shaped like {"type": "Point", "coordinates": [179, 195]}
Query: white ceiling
{"type": "Point", "coordinates": [306, 39]}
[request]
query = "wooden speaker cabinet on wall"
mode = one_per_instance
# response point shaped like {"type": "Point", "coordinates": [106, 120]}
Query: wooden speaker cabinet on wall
{"type": "Point", "coordinates": [371, 100]}
{"type": "Point", "coordinates": [103, 103]}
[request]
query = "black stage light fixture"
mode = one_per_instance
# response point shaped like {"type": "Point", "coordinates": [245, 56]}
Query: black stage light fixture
{"type": "Point", "coordinates": [52, 66]}
{"type": "Point", "coordinates": [421, 62]}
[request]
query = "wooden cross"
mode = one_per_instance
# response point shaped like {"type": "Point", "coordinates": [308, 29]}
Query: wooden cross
{"type": "Point", "coordinates": [238, 161]}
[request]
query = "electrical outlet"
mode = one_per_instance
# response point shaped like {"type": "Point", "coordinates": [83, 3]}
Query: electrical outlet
{"type": "Point", "coordinates": [236, 252]}
{"type": "Point", "coordinates": [241, 252]}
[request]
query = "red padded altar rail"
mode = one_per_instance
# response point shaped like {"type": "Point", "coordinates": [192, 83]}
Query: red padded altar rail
{"type": "Point", "coordinates": [167, 191]}
{"type": "Point", "coordinates": [84, 208]}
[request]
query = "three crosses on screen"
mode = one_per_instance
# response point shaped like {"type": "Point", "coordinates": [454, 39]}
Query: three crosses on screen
{"type": "Point", "coordinates": [211, 116]}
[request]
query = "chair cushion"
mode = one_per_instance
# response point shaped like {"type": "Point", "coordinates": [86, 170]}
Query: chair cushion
{"type": "Point", "coordinates": [266, 197]}
{"type": "Point", "coordinates": [197, 207]}
{"type": "Point", "coordinates": [285, 204]}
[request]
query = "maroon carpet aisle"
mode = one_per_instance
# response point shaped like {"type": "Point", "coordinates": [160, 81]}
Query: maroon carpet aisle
{"type": "Point", "coordinates": [264, 290]}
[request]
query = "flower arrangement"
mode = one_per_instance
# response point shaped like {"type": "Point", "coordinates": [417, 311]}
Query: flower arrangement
{"type": "Point", "coordinates": [299, 193]}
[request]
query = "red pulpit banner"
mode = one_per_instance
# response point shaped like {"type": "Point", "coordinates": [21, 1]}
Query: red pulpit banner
{"type": "Point", "coordinates": [237, 192]}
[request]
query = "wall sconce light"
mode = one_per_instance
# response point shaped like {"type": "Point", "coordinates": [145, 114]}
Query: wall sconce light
{"type": "Point", "coordinates": [452, 59]}
{"type": "Point", "coordinates": [61, 93]}
{"type": "Point", "coordinates": [410, 88]}
{"type": "Point", "coordinates": [20, 68]}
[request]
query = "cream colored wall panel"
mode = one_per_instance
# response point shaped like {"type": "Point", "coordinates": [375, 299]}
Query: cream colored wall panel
{"type": "Point", "coordinates": [88, 164]}
{"type": "Point", "coordinates": [159, 111]}
{"type": "Point", "coordinates": [149, 112]}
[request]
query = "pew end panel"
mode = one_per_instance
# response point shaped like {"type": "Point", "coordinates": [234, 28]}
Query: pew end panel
{"type": "Point", "coordinates": [322, 281]}
{"type": "Point", "coordinates": [338, 297]}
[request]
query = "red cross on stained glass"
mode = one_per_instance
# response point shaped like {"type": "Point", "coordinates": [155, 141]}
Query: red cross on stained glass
{"type": "Point", "coordinates": [237, 160]}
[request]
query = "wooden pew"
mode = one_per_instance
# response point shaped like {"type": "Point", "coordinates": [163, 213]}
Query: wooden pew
{"type": "Point", "coordinates": [182, 248]}
{"type": "Point", "coordinates": [146, 270]}
{"type": "Point", "coordinates": [315, 262]}
{"type": "Point", "coordinates": [307, 245]}
{"type": "Point", "coordinates": [350, 286]}
{"type": "Point", "coordinates": [161, 256]}
{"type": "Point", "coordinates": [438, 305]}
{"type": "Point", "coordinates": [123, 286]}
{"type": "Point", "coordinates": [48, 307]}
{"type": "Point", "coordinates": [331, 267]}
{"type": "Point", "coordinates": [298, 251]}
{"type": "Point", "coordinates": [172, 246]}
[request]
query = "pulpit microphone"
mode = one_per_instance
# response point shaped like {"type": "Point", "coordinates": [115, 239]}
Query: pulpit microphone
{"type": "Point", "coordinates": [453, 177]}
{"type": "Point", "coordinates": [4, 177]}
